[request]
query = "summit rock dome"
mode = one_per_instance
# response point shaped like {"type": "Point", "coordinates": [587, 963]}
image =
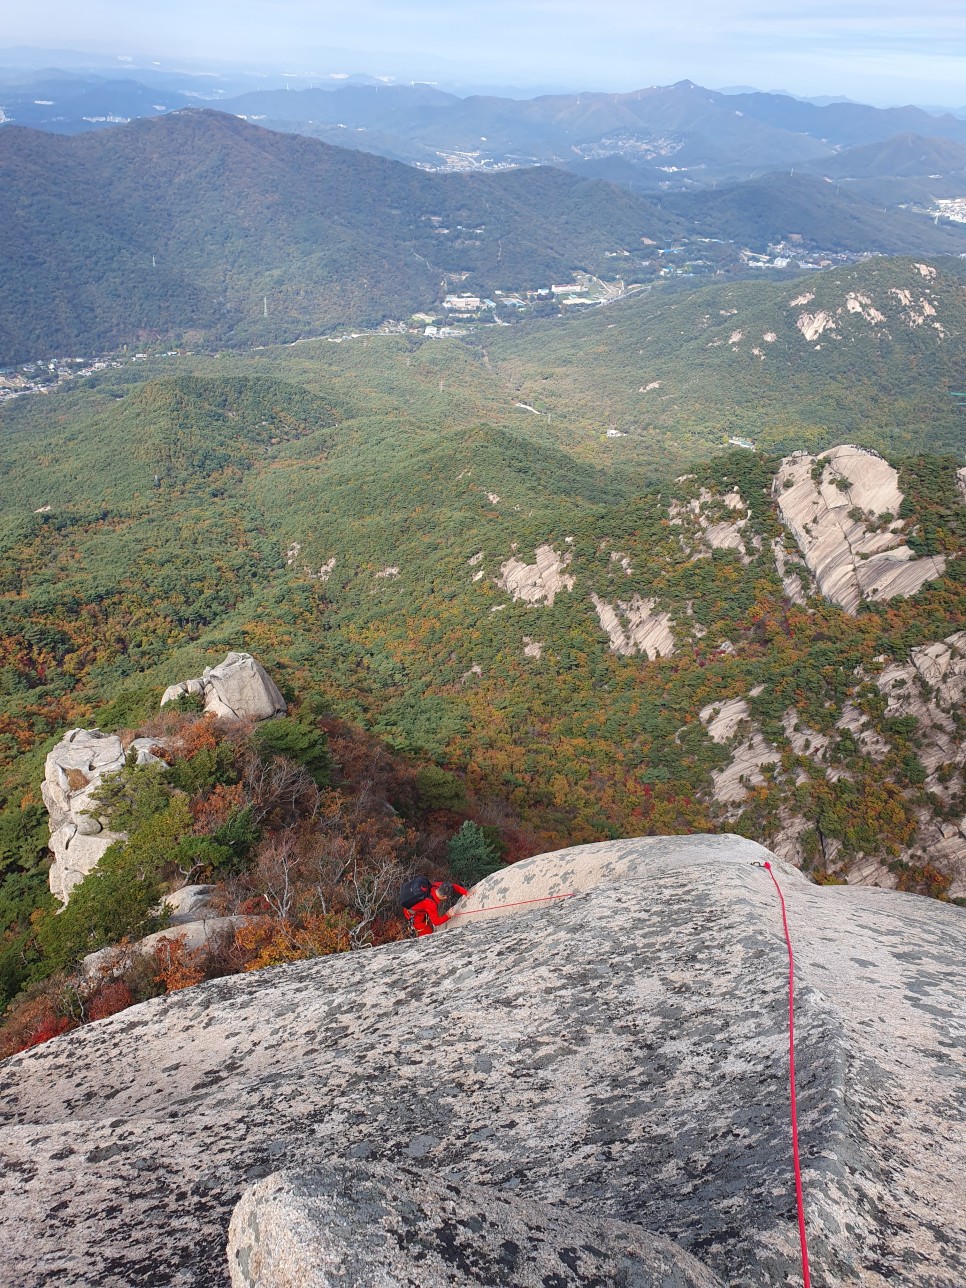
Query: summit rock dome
{"type": "Point", "coordinates": [618, 1055]}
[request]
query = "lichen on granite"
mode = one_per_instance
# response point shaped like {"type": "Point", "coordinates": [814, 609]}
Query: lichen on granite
{"type": "Point", "coordinates": [618, 1054]}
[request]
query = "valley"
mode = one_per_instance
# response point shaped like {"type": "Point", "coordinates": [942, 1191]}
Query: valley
{"type": "Point", "coordinates": [592, 513]}
{"type": "Point", "coordinates": [482, 651]}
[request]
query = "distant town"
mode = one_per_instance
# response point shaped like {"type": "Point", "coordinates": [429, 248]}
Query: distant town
{"type": "Point", "coordinates": [463, 311]}
{"type": "Point", "coordinates": [45, 375]}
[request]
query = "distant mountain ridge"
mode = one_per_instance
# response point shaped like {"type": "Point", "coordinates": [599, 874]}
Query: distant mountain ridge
{"type": "Point", "coordinates": [199, 222]}
{"type": "Point", "coordinates": [821, 214]}
{"type": "Point", "coordinates": [900, 154]}
{"type": "Point", "coordinates": [200, 227]}
{"type": "Point", "coordinates": [700, 134]}
{"type": "Point", "coordinates": [716, 131]}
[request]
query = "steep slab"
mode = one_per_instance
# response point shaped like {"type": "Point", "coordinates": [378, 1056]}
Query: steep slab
{"type": "Point", "coordinates": [618, 1055]}
{"type": "Point", "coordinates": [540, 582]}
{"type": "Point", "coordinates": [842, 508]}
{"type": "Point", "coordinates": [634, 627]}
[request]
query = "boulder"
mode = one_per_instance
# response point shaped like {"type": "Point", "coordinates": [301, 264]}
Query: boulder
{"type": "Point", "coordinates": [193, 934]}
{"type": "Point", "coordinates": [194, 929]}
{"type": "Point", "coordinates": [336, 1227]}
{"type": "Point", "coordinates": [237, 689]}
{"type": "Point", "coordinates": [619, 1054]}
{"type": "Point", "coordinates": [190, 903]}
{"type": "Point", "coordinates": [73, 771]}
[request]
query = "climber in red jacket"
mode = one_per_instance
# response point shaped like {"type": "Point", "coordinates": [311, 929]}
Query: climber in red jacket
{"type": "Point", "coordinates": [426, 904]}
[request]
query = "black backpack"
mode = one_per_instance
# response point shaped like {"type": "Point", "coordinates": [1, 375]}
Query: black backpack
{"type": "Point", "coordinates": [414, 890]}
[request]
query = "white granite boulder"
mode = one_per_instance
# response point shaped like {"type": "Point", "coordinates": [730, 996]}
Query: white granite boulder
{"type": "Point", "coordinates": [190, 903]}
{"type": "Point", "coordinates": [237, 689]}
{"type": "Point", "coordinates": [73, 771]}
{"type": "Point", "coordinates": [193, 931]}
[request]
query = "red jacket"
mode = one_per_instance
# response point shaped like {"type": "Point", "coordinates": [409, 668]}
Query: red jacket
{"type": "Point", "coordinates": [427, 914]}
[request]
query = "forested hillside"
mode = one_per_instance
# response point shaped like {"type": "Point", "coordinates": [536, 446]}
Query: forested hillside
{"type": "Point", "coordinates": [550, 616]}
{"type": "Point", "coordinates": [870, 353]}
{"type": "Point", "coordinates": [820, 215]}
{"type": "Point", "coordinates": [198, 226]}
{"type": "Point", "coordinates": [199, 229]}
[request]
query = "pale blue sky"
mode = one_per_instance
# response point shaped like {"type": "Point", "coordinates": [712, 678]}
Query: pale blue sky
{"type": "Point", "coordinates": [883, 51]}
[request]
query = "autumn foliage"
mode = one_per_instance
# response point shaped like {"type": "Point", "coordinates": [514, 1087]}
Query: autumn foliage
{"type": "Point", "coordinates": [303, 864]}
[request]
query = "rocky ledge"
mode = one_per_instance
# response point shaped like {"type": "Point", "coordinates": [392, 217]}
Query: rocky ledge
{"type": "Point", "coordinates": [617, 1056]}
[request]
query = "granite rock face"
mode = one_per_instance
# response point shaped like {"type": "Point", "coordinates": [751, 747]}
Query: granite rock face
{"type": "Point", "coordinates": [540, 582]}
{"type": "Point", "coordinates": [709, 522]}
{"type": "Point", "coordinates": [930, 687]}
{"type": "Point", "coordinates": [613, 1047]}
{"type": "Point", "coordinates": [72, 773]}
{"type": "Point", "coordinates": [634, 627]}
{"type": "Point", "coordinates": [842, 508]}
{"type": "Point", "coordinates": [726, 723]}
{"type": "Point", "coordinates": [237, 689]}
{"type": "Point", "coordinates": [334, 1227]}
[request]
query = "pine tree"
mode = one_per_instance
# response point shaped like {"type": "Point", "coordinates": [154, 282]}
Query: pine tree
{"type": "Point", "coordinates": [472, 856]}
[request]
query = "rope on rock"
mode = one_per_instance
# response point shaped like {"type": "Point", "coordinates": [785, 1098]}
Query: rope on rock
{"type": "Point", "coordinates": [791, 1078]}
{"type": "Point", "coordinates": [518, 904]}
{"type": "Point", "coordinates": [799, 1197]}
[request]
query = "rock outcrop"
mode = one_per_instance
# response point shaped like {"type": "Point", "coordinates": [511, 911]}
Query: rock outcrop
{"type": "Point", "coordinates": [616, 1055]}
{"type": "Point", "coordinates": [795, 577]}
{"type": "Point", "coordinates": [237, 689]}
{"type": "Point", "coordinates": [190, 903]}
{"type": "Point", "coordinates": [72, 773]}
{"type": "Point", "coordinates": [540, 582]}
{"type": "Point", "coordinates": [842, 508]}
{"type": "Point", "coordinates": [930, 689]}
{"type": "Point", "coordinates": [714, 522]}
{"type": "Point", "coordinates": [749, 754]}
{"type": "Point", "coordinates": [190, 918]}
{"type": "Point", "coordinates": [633, 626]}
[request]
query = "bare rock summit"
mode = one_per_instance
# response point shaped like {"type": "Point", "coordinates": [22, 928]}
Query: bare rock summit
{"type": "Point", "coordinates": [599, 1035]}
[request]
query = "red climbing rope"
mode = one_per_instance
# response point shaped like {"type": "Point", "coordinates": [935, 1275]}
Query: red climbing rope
{"type": "Point", "coordinates": [791, 1078]}
{"type": "Point", "coordinates": [519, 904]}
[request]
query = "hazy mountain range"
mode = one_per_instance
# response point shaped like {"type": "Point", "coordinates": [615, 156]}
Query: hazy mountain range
{"type": "Point", "coordinates": [677, 133]}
